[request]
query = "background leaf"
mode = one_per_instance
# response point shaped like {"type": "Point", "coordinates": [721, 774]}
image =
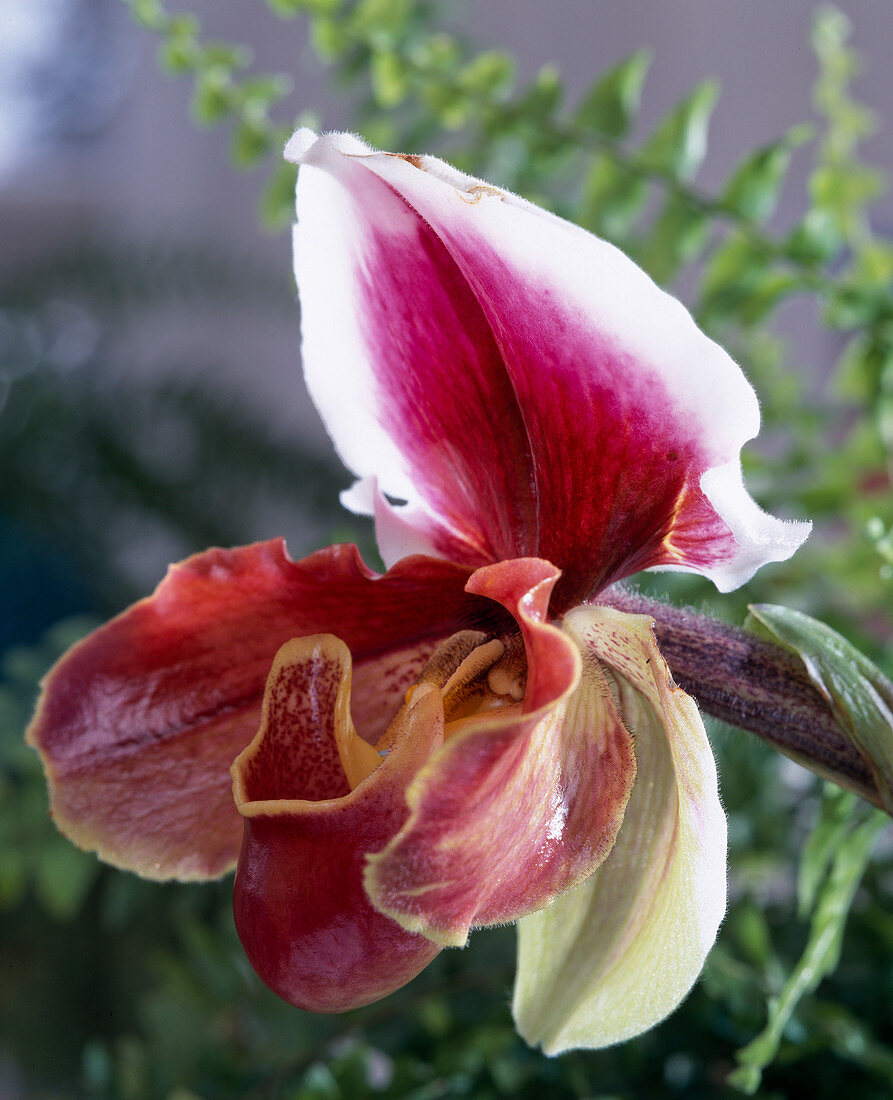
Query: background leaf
{"type": "Point", "coordinates": [679, 144]}
{"type": "Point", "coordinates": [612, 103]}
{"type": "Point", "coordinates": [858, 692]}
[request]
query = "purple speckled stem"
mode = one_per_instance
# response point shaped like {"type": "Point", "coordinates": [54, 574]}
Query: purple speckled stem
{"type": "Point", "coordinates": [755, 685]}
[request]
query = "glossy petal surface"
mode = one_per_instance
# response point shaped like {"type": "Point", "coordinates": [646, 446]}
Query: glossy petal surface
{"type": "Point", "coordinates": [518, 805]}
{"type": "Point", "coordinates": [613, 957]}
{"type": "Point", "coordinates": [510, 370]}
{"type": "Point", "coordinates": [138, 724]}
{"type": "Point", "coordinates": [302, 915]}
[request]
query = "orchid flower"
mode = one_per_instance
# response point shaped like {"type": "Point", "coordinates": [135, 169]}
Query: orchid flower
{"type": "Point", "coordinates": [471, 738]}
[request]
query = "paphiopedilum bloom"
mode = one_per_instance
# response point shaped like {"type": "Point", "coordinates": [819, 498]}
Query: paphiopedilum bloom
{"type": "Point", "coordinates": [471, 738]}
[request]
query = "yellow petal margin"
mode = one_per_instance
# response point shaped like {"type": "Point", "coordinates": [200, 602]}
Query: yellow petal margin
{"type": "Point", "coordinates": [616, 955]}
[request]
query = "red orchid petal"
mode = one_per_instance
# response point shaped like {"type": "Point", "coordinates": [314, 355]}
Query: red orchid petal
{"type": "Point", "coordinates": [138, 724]}
{"type": "Point", "coordinates": [433, 372]}
{"type": "Point", "coordinates": [518, 807]}
{"type": "Point", "coordinates": [302, 915]}
{"type": "Point", "coordinates": [521, 384]}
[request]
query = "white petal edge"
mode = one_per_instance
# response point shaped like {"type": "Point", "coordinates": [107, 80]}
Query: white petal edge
{"type": "Point", "coordinates": [328, 245]}
{"type": "Point", "coordinates": [400, 530]}
{"type": "Point", "coordinates": [589, 275]}
{"type": "Point", "coordinates": [613, 957]}
{"type": "Point", "coordinates": [761, 537]}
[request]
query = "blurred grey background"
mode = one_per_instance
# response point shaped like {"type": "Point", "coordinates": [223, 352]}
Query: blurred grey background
{"type": "Point", "coordinates": [96, 143]}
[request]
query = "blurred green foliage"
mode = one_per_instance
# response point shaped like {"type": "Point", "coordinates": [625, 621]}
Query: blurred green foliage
{"type": "Point", "coordinates": [118, 988]}
{"type": "Point", "coordinates": [856, 690]}
{"type": "Point", "coordinates": [93, 458]}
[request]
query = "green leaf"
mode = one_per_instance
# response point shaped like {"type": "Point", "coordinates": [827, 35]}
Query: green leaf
{"type": "Point", "coordinates": [225, 55]}
{"type": "Point", "coordinates": [884, 407]}
{"type": "Point", "coordinates": [251, 142]}
{"type": "Point", "coordinates": [543, 95]}
{"type": "Point", "coordinates": [180, 52]}
{"type": "Point", "coordinates": [824, 840]}
{"type": "Point", "coordinates": [611, 104]}
{"type": "Point", "coordinates": [842, 188]}
{"type": "Point", "coordinates": [755, 185]}
{"type": "Point", "coordinates": [62, 877]}
{"type": "Point", "coordinates": [436, 53]}
{"type": "Point", "coordinates": [183, 26]}
{"type": "Point", "coordinates": [822, 951]}
{"type": "Point", "coordinates": [212, 99]}
{"type": "Point", "coordinates": [259, 93]}
{"type": "Point", "coordinates": [752, 934]}
{"type": "Point", "coordinates": [287, 9]}
{"type": "Point", "coordinates": [678, 237]}
{"type": "Point", "coordinates": [448, 104]}
{"type": "Point", "coordinates": [390, 78]}
{"type": "Point", "coordinates": [875, 262]}
{"type": "Point", "coordinates": [491, 73]}
{"type": "Point", "coordinates": [613, 197]}
{"type": "Point", "coordinates": [679, 143]}
{"type": "Point", "coordinates": [13, 876]}
{"type": "Point", "coordinates": [319, 1084]}
{"type": "Point", "coordinates": [855, 304]}
{"type": "Point", "coordinates": [381, 19]}
{"type": "Point", "coordinates": [830, 31]}
{"type": "Point", "coordinates": [733, 273]}
{"type": "Point", "coordinates": [329, 37]}
{"type": "Point", "coordinates": [817, 239]}
{"type": "Point", "coordinates": [322, 7]}
{"type": "Point", "coordinates": [851, 1040]}
{"type": "Point", "coordinates": [150, 13]}
{"type": "Point", "coordinates": [857, 691]}
{"type": "Point", "coordinates": [277, 204]}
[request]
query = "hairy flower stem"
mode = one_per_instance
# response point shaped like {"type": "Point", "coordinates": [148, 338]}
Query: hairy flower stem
{"type": "Point", "coordinates": [756, 685]}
